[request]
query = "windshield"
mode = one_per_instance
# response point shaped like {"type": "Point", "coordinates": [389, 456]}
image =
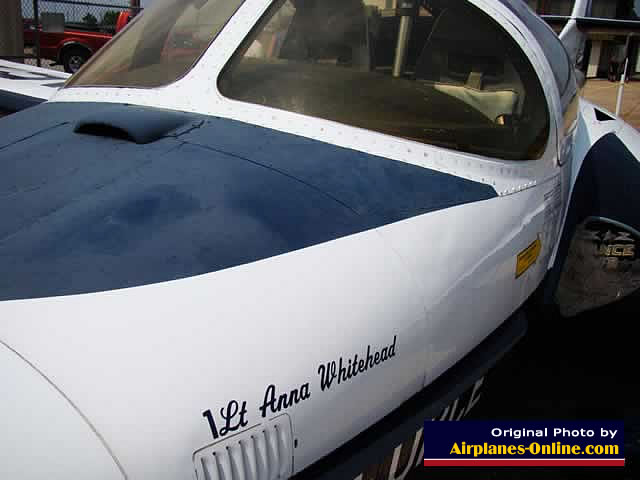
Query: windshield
{"type": "Point", "coordinates": [159, 46]}
{"type": "Point", "coordinates": [443, 73]}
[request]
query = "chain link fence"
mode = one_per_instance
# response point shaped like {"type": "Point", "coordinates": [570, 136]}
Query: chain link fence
{"type": "Point", "coordinates": [59, 34]}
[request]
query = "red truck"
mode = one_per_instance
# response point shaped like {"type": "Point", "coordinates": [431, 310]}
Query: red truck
{"type": "Point", "coordinates": [73, 47]}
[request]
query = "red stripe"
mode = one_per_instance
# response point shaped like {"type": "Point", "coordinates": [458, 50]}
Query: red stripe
{"type": "Point", "coordinates": [543, 462]}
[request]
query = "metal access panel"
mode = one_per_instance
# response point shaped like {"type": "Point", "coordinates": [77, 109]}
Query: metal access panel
{"type": "Point", "coordinates": [263, 452]}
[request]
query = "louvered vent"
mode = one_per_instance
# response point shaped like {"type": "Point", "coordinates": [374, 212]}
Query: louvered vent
{"type": "Point", "coordinates": [264, 452]}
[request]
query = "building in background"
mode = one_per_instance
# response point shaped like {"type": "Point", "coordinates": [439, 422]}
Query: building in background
{"type": "Point", "coordinates": [606, 44]}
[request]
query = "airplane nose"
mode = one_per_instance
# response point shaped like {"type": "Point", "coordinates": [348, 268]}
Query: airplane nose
{"type": "Point", "coordinates": [43, 434]}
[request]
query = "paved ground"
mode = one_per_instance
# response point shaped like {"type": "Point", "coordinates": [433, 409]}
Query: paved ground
{"type": "Point", "coordinates": [605, 93]}
{"type": "Point", "coordinates": [44, 63]}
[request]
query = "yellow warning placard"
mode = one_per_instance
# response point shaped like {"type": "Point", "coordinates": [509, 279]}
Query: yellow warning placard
{"type": "Point", "coordinates": [528, 257]}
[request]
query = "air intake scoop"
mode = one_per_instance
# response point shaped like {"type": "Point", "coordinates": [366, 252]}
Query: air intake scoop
{"type": "Point", "coordinates": [140, 125]}
{"type": "Point", "coordinates": [264, 452]}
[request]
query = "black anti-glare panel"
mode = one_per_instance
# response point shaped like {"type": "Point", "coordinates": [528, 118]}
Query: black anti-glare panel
{"type": "Point", "coordinates": [83, 213]}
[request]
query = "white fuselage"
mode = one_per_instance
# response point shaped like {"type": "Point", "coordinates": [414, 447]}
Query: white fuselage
{"type": "Point", "coordinates": [140, 366]}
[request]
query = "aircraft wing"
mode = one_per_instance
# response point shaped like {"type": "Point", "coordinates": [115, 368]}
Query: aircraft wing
{"type": "Point", "coordinates": [23, 86]}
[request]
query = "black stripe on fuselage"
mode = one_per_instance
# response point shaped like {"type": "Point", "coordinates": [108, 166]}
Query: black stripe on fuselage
{"type": "Point", "coordinates": [83, 213]}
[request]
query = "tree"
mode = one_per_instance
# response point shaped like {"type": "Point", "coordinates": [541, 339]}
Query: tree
{"type": "Point", "coordinates": [110, 18]}
{"type": "Point", "coordinates": [90, 19]}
